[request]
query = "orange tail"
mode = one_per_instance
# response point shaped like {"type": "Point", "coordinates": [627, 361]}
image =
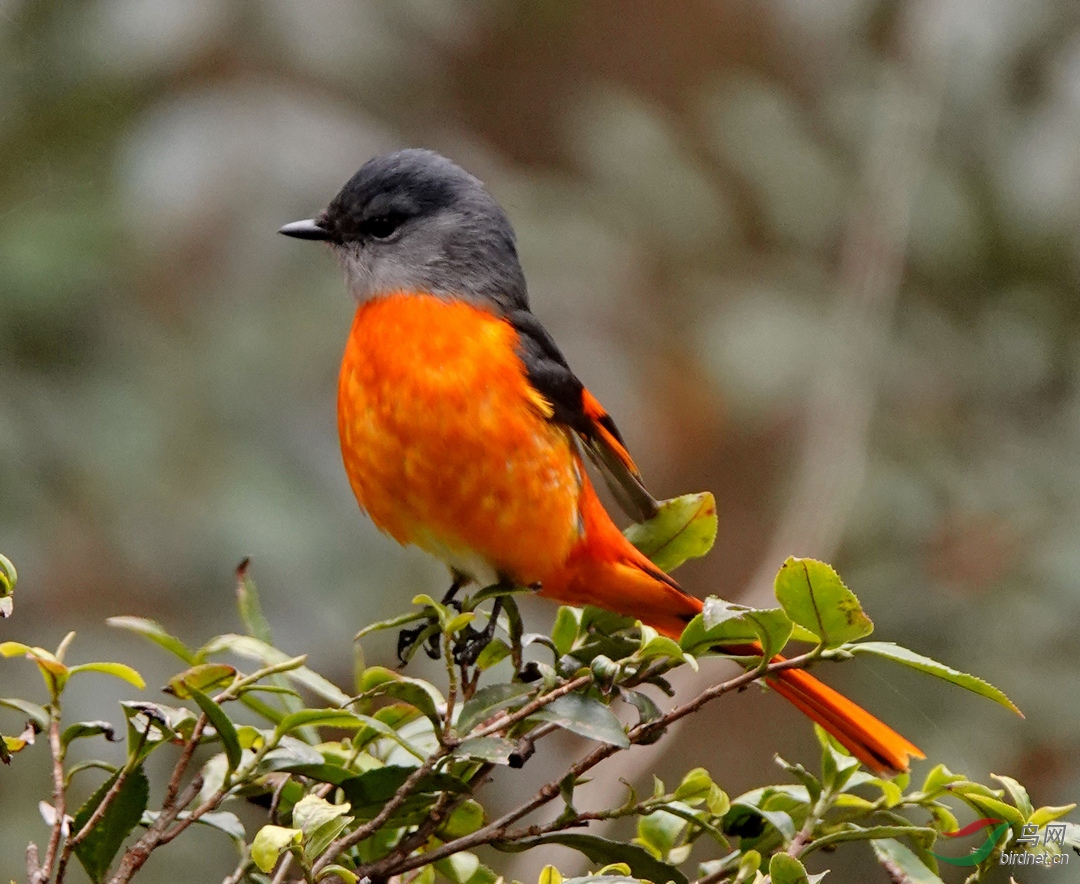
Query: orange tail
{"type": "Point", "coordinates": [605, 570]}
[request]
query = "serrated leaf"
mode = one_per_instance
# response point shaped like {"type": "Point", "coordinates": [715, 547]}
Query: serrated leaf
{"type": "Point", "coordinates": [156, 633]}
{"type": "Point", "coordinates": [602, 851]}
{"type": "Point", "coordinates": [891, 651]}
{"type": "Point", "coordinates": [226, 730]}
{"type": "Point", "coordinates": [101, 844]}
{"type": "Point", "coordinates": [784, 869]}
{"type": "Point", "coordinates": [813, 595]}
{"type": "Point", "coordinates": [270, 843]}
{"type": "Point", "coordinates": [586, 717]}
{"type": "Point", "coordinates": [895, 856]}
{"type": "Point", "coordinates": [489, 700]}
{"type": "Point", "coordinates": [684, 528]}
{"type": "Point", "coordinates": [1018, 794]}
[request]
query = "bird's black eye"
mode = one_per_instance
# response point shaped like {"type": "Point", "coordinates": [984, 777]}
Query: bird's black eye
{"type": "Point", "coordinates": [382, 226]}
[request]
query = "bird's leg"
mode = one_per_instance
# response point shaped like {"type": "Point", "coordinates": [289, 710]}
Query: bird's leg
{"type": "Point", "coordinates": [472, 641]}
{"type": "Point", "coordinates": [460, 580]}
{"type": "Point", "coordinates": [411, 635]}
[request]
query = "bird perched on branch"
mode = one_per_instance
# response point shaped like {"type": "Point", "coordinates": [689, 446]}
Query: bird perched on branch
{"type": "Point", "coordinates": [462, 425]}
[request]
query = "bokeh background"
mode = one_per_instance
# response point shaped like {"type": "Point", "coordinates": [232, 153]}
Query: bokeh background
{"type": "Point", "coordinates": [817, 256]}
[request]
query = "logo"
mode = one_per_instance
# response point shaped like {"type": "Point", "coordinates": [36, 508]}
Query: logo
{"type": "Point", "coordinates": [981, 853]}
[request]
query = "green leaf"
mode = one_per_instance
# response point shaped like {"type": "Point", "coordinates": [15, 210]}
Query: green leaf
{"type": "Point", "coordinates": [919, 834]}
{"type": "Point", "coordinates": [660, 831]}
{"type": "Point", "coordinates": [814, 596]}
{"type": "Point", "coordinates": [375, 787]}
{"type": "Point", "coordinates": [379, 681]}
{"type": "Point", "coordinates": [586, 717]}
{"type": "Point", "coordinates": [784, 869]}
{"type": "Point", "coordinates": [466, 818]}
{"type": "Point", "coordinates": [37, 714]}
{"type": "Point", "coordinates": [487, 701]}
{"type": "Point", "coordinates": [695, 786]}
{"type": "Point", "coordinates": [253, 649]}
{"type": "Point", "coordinates": [497, 750]}
{"type": "Point", "coordinates": [392, 623]}
{"type": "Point", "coordinates": [895, 856]}
{"type": "Point", "coordinates": [8, 578]}
{"type": "Point", "coordinates": [459, 867]}
{"type": "Point", "coordinates": [270, 843]}
{"type": "Point", "coordinates": [119, 670]}
{"type": "Point", "coordinates": [340, 871]}
{"type": "Point", "coordinates": [156, 633]}
{"type": "Point", "coordinates": [88, 729]}
{"type": "Point", "coordinates": [604, 852]}
{"type": "Point", "coordinates": [249, 607]}
{"type": "Point", "coordinates": [1048, 814]}
{"type": "Point", "coordinates": [565, 631]}
{"type": "Point", "coordinates": [495, 651]}
{"type": "Point", "coordinates": [938, 779]}
{"type": "Point", "coordinates": [684, 528]}
{"type": "Point", "coordinates": [340, 718]}
{"type": "Point", "coordinates": [202, 677]}
{"type": "Point", "coordinates": [654, 645]}
{"type": "Point", "coordinates": [722, 624]}
{"type": "Point", "coordinates": [891, 651]}
{"type": "Point", "coordinates": [97, 850]}
{"type": "Point", "coordinates": [1018, 794]}
{"type": "Point", "coordinates": [222, 820]}
{"type": "Point", "coordinates": [320, 821]}
{"type": "Point", "coordinates": [226, 730]}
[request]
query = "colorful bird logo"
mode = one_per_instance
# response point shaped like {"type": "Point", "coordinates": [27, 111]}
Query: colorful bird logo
{"type": "Point", "coordinates": [978, 855]}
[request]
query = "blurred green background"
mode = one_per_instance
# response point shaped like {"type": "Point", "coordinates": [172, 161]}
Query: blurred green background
{"type": "Point", "coordinates": [820, 258]}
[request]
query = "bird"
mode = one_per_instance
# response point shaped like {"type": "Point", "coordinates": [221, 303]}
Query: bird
{"type": "Point", "coordinates": [464, 431]}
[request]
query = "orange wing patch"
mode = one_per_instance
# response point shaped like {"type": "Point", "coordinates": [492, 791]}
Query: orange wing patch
{"type": "Point", "coordinates": [603, 425]}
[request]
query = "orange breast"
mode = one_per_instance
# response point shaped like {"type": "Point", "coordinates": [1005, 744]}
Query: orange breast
{"type": "Point", "coordinates": [446, 444]}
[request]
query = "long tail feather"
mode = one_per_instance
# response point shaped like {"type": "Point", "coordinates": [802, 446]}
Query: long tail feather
{"type": "Point", "coordinates": [607, 571]}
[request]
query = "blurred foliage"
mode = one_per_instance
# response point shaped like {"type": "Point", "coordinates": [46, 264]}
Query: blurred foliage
{"type": "Point", "coordinates": [680, 177]}
{"type": "Point", "coordinates": [389, 782]}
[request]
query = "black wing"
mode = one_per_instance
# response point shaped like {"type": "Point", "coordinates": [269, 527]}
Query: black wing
{"type": "Point", "coordinates": [575, 407]}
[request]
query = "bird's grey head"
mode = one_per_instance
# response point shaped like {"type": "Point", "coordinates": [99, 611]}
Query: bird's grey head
{"type": "Point", "coordinates": [414, 221]}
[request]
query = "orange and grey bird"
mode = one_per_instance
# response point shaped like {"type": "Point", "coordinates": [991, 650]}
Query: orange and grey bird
{"type": "Point", "coordinates": [462, 426]}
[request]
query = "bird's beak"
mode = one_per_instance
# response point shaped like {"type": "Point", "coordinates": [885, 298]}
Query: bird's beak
{"type": "Point", "coordinates": [307, 229]}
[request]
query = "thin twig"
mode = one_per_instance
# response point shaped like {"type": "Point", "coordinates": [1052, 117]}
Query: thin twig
{"type": "Point", "coordinates": [354, 837]}
{"type": "Point", "coordinates": [499, 829]}
{"type": "Point", "coordinates": [508, 720]}
{"type": "Point", "coordinates": [56, 748]}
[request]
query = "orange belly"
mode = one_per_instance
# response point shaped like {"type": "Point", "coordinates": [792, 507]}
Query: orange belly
{"type": "Point", "coordinates": [447, 446]}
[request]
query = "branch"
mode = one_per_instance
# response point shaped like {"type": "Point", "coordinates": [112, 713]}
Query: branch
{"type": "Point", "coordinates": [499, 830]}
